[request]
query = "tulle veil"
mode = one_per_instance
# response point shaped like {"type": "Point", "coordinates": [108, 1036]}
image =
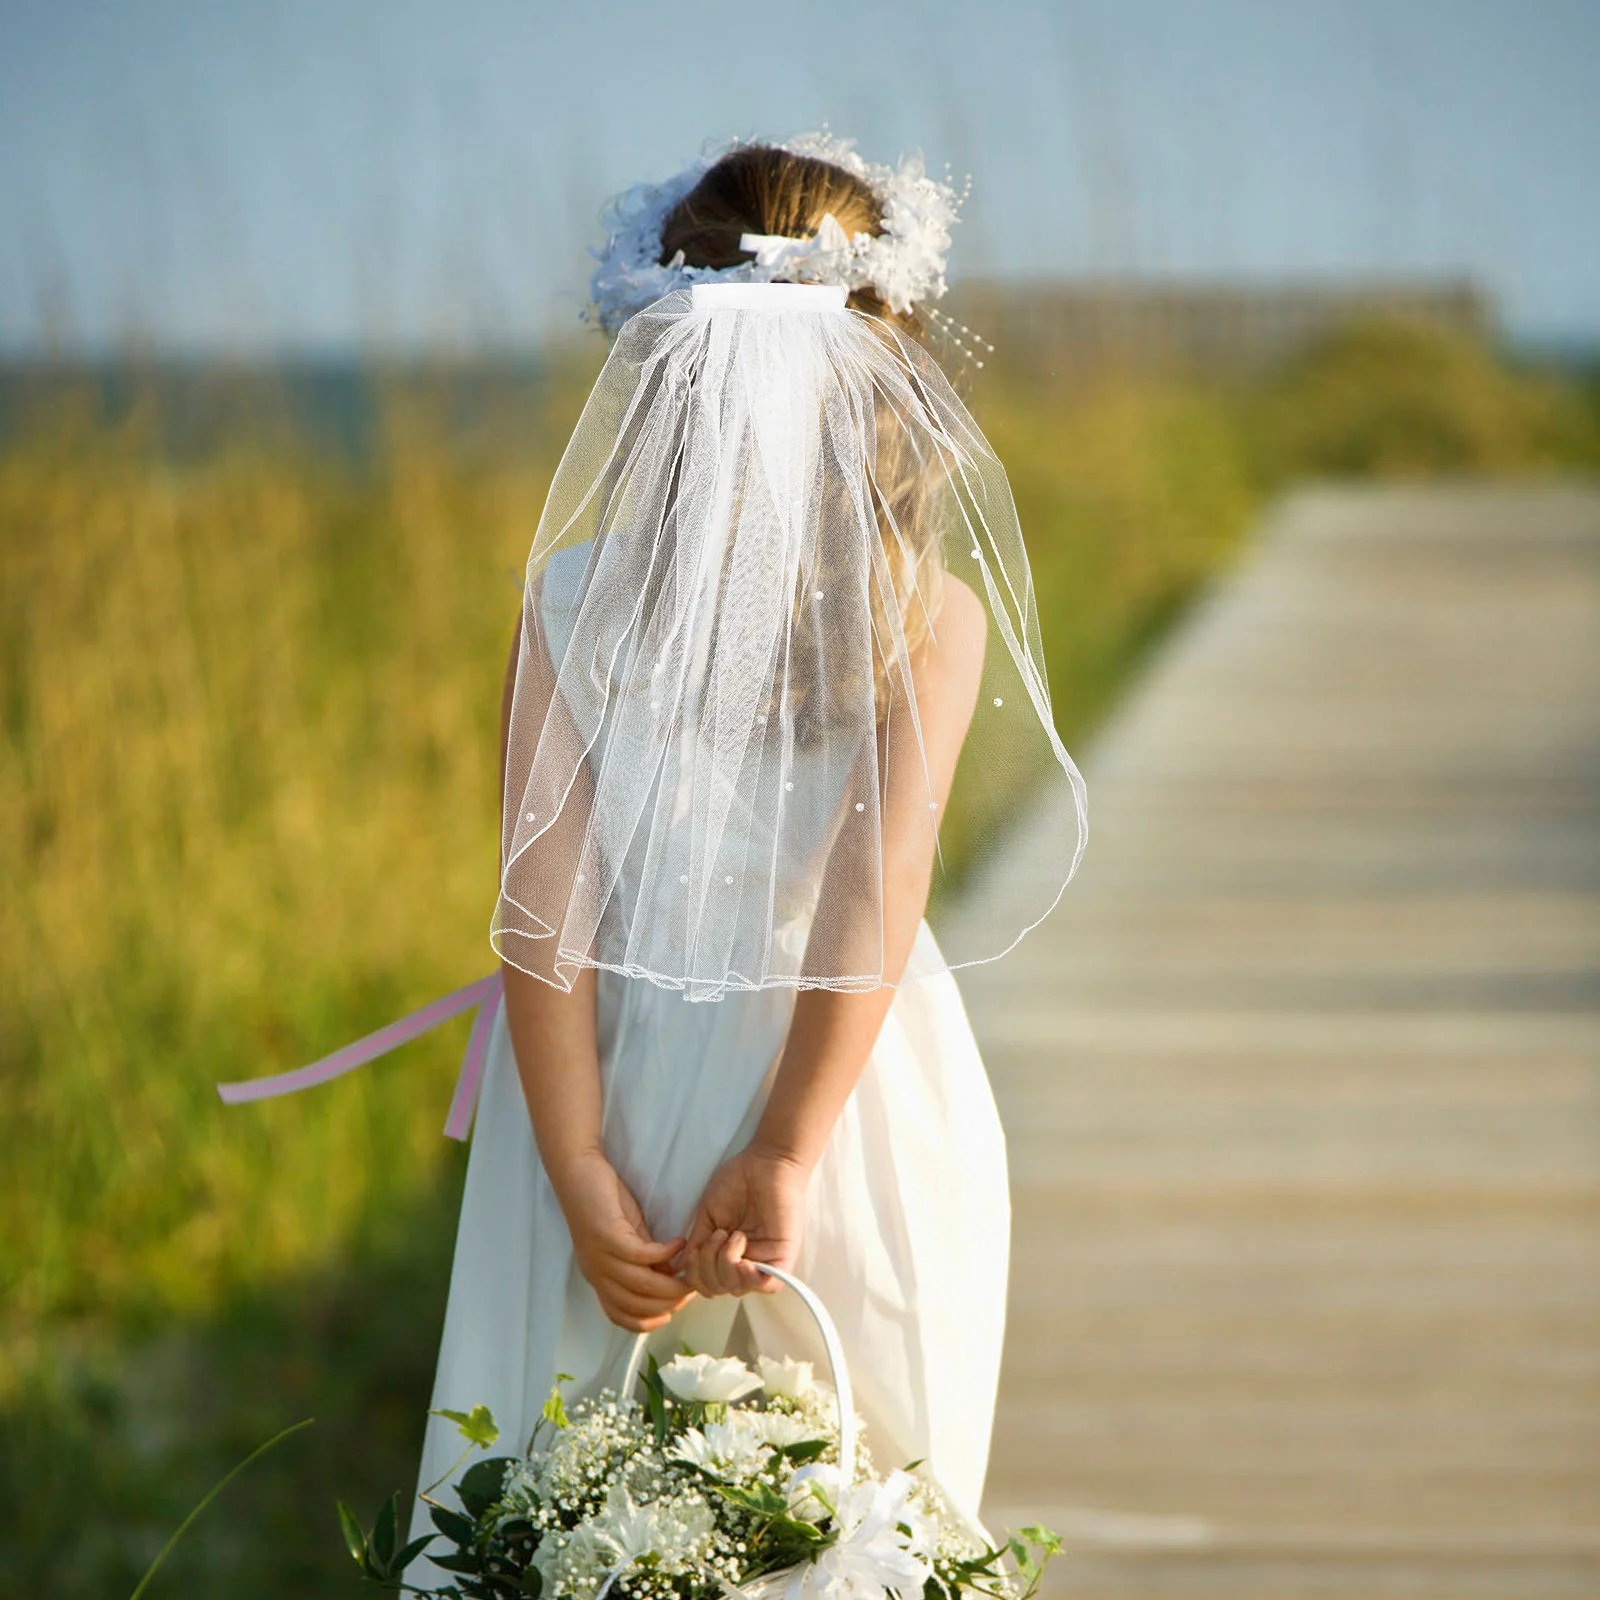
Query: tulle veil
{"type": "Point", "coordinates": [715, 734]}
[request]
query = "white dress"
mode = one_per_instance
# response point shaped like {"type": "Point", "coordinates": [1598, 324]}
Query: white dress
{"type": "Point", "coordinates": [906, 1234]}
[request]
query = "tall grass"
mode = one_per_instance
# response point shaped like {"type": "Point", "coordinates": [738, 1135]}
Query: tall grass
{"type": "Point", "coordinates": [248, 805]}
{"type": "Point", "coordinates": [248, 810]}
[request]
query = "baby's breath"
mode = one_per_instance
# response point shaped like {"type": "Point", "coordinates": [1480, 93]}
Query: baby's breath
{"type": "Point", "coordinates": [606, 1503]}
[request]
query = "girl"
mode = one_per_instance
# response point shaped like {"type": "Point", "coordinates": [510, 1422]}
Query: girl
{"type": "Point", "coordinates": [777, 573]}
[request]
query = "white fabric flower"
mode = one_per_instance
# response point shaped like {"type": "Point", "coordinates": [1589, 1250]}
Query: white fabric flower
{"type": "Point", "coordinates": [871, 1556]}
{"type": "Point", "coordinates": [709, 1378]}
{"type": "Point", "coordinates": [789, 1378]}
{"type": "Point", "coordinates": [904, 263]}
{"type": "Point", "coordinates": [820, 258]}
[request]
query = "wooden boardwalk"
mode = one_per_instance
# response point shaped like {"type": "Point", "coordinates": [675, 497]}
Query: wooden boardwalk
{"type": "Point", "coordinates": [1302, 1081]}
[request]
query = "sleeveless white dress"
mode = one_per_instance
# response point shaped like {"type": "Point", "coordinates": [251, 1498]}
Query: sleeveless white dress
{"type": "Point", "coordinates": [907, 1218]}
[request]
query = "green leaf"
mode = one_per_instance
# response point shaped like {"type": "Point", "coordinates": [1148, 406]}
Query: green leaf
{"type": "Point", "coordinates": [480, 1484]}
{"type": "Point", "coordinates": [785, 1541]}
{"type": "Point", "coordinates": [554, 1409]}
{"type": "Point", "coordinates": [1022, 1543]}
{"type": "Point", "coordinates": [1047, 1539]}
{"type": "Point", "coordinates": [805, 1450]}
{"type": "Point", "coordinates": [453, 1525]}
{"type": "Point", "coordinates": [383, 1532]}
{"type": "Point", "coordinates": [988, 1564]}
{"type": "Point", "coordinates": [476, 1426]}
{"type": "Point", "coordinates": [460, 1561]}
{"type": "Point", "coordinates": [518, 1538]}
{"type": "Point", "coordinates": [759, 1497]}
{"type": "Point", "coordinates": [411, 1552]}
{"type": "Point", "coordinates": [355, 1539]}
{"type": "Point", "coordinates": [655, 1399]}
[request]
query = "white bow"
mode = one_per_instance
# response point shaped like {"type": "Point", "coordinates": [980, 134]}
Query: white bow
{"type": "Point", "coordinates": [773, 250]}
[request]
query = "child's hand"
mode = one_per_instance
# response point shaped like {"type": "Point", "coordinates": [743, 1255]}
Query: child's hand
{"type": "Point", "coordinates": [627, 1269]}
{"type": "Point", "coordinates": [752, 1210]}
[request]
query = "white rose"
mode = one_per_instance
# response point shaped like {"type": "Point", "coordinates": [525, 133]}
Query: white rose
{"type": "Point", "coordinates": [709, 1378]}
{"type": "Point", "coordinates": [791, 1379]}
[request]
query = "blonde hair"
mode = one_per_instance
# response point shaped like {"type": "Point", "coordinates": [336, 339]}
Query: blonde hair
{"type": "Point", "coordinates": [761, 189]}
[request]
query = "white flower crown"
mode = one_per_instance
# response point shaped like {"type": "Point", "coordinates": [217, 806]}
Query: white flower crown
{"type": "Point", "coordinates": [903, 265]}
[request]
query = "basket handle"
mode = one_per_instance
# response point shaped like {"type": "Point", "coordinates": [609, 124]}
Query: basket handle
{"type": "Point", "coordinates": [837, 1369]}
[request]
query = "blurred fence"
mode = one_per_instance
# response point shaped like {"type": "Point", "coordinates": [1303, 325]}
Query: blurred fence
{"type": "Point", "coordinates": [1077, 330]}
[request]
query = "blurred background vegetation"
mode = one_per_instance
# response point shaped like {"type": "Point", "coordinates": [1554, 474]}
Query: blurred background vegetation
{"type": "Point", "coordinates": [254, 623]}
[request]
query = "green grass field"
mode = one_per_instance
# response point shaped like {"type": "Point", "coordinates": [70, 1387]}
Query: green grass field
{"type": "Point", "coordinates": [248, 811]}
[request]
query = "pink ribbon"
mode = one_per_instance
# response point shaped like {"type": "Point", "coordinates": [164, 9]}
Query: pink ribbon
{"type": "Point", "coordinates": [485, 994]}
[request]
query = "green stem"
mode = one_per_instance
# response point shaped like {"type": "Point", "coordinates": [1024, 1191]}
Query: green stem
{"type": "Point", "coordinates": [216, 1489]}
{"type": "Point", "coordinates": [426, 1495]}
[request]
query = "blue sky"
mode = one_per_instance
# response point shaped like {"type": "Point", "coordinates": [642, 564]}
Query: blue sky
{"type": "Point", "coordinates": [321, 173]}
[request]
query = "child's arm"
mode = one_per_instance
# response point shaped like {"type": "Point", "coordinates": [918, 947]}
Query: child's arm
{"type": "Point", "coordinates": [753, 1206]}
{"type": "Point", "coordinates": [553, 1038]}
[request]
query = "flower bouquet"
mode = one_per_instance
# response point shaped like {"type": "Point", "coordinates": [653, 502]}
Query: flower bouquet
{"type": "Point", "coordinates": [717, 1482]}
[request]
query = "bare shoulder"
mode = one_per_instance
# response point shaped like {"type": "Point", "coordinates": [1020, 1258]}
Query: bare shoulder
{"type": "Point", "coordinates": [955, 650]}
{"type": "Point", "coordinates": [949, 667]}
{"type": "Point", "coordinates": [963, 624]}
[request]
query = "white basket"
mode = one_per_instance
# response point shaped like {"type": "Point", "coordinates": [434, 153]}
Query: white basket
{"type": "Point", "coordinates": [838, 1371]}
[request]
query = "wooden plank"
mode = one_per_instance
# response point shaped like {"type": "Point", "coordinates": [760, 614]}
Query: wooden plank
{"type": "Point", "coordinates": [1302, 1081]}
